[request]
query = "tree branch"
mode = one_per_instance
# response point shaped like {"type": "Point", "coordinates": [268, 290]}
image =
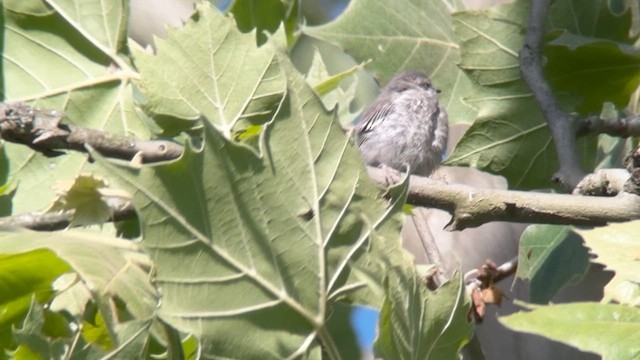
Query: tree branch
{"type": "Point", "coordinates": [561, 124]}
{"type": "Point", "coordinates": [119, 209]}
{"type": "Point", "coordinates": [471, 207]}
{"type": "Point", "coordinates": [606, 182]}
{"type": "Point", "coordinates": [620, 127]}
{"type": "Point", "coordinates": [42, 131]}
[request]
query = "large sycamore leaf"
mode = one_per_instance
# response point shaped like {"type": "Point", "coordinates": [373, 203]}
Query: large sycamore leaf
{"type": "Point", "coordinates": [618, 248]}
{"type": "Point", "coordinates": [598, 70]}
{"type": "Point", "coordinates": [614, 20]}
{"type": "Point", "coordinates": [510, 136]}
{"type": "Point", "coordinates": [102, 23]}
{"type": "Point", "coordinates": [590, 51]}
{"type": "Point", "coordinates": [80, 40]}
{"type": "Point", "coordinates": [252, 251]}
{"type": "Point", "coordinates": [404, 35]}
{"type": "Point", "coordinates": [550, 256]}
{"type": "Point", "coordinates": [416, 323]}
{"type": "Point", "coordinates": [610, 330]}
{"type": "Point", "coordinates": [210, 69]}
{"type": "Point", "coordinates": [397, 35]}
{"type": "Point", "coordinates": [70, 56]}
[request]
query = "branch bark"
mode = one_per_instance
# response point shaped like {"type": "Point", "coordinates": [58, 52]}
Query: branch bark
{"type": "Point", "coordinates": [620, 127]}
{"type": "Point", "coordinates": [563, 126]}
{"type": "Point", "coordinates": [471, 207]}
{"type": "Point", "coordinates": [468, 206]}
{"type": "Point", "coordinates": [606, 182]}
{"type": "Point", "coordinates": [119, 209]}
{"type": "Point", "coordinates": [42, 131]}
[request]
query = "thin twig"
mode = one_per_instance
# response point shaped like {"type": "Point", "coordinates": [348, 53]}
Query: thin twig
{"type": "Point", "coordinates": [491, 274]}
{"type": "Point", "coordinates": [620, 127]}
{"type": "Point", "coordinates": [44, 221]}
{"type": "Point", "coordinates": [480, 283]}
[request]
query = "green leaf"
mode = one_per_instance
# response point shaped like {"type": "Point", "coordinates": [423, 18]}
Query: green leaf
{"type": "Point", "coordinates": [509, 137]}
{"type": "Point", "coordinates": [134, 339]}
{"type": "Point", "coordinates": [398, 35]}
{"type": "Point", "coordinates": [264, 246]}
{"type": "Point", "coordinates": [20, 278]}
{"type": "Point", "coordinates": [611, 149]}
{"type": "Point", "coordinates": [598, 70]}
{"type": "Point", "coordinates": [550, 256]}
{"type": "Point", "coordinates": [340, 328]}
{"type": "Point", "coordinates": [28, 7]}
{"type": "Point", "coordinates": [23, 276]}
{"type": "Point", "coordinates": [30, 336]}
{"type": "Point", "coordinates": [618, 248]}
{"type": "Point", "coordinates": [72, 296]}
{"type": "Point", "coordinates": [210, 69]}
{"type": "Point", "coordinates": [606, 329]}
{"type": "Point", "coordinates": [79, 58]}
{"type": "Point", "coordinates": [266, 16]}
{"type": "Point", "coordinates": [416, 323]}
{"type": "Point", "coordinates": [489, 45]}
{"type": "Point", "coordinates": [329, 90]}
{"type": "Point", "coordinates": [114, 271]}
{"type": "Point", "coordinates": [403, 35]}
{"type": "Point", "coordinates": [71, 59]}
{"type": "Point", "coordinates": [96, 332]}
{"type": "Point", "coordinates": [190, 348]}
{"type": "Point", "coordinates": [459, 109]}
{"type": "Point", "coordinates": [105, 25]}
{"type": "Point", "coordinates": [605, 19]}
{"type": "Point", "coordinates": [320, 79]}
{"type": "Point", "coordinates": [108, 266]}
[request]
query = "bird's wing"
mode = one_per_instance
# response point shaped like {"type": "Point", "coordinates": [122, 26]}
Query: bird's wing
{"type": "Point", "coordinates": [375, 113]}
{"type": "Point", "coordinates": [441, 132]}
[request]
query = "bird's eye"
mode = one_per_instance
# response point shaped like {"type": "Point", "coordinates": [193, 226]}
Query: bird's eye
{"type": "Point", "coordinates": [425, 85]}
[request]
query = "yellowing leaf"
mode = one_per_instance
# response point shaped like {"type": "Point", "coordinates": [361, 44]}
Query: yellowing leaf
{"type": "Point", "coordinates": [617, 246]}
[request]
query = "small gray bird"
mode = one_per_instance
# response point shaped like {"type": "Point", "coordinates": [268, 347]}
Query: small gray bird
{"type": "Point", "coordinates": [404, 128]}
